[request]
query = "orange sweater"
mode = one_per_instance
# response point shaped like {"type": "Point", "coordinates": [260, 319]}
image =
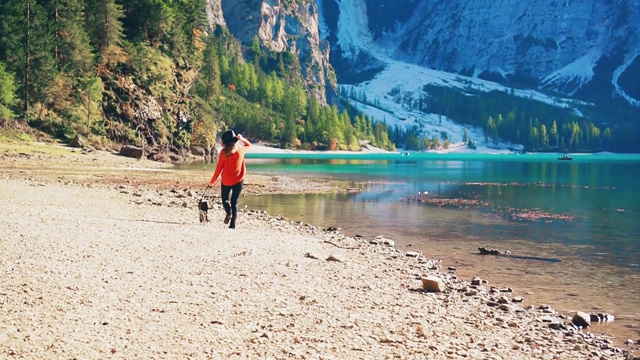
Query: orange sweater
{"type": "Point", "coordinates": [232, 167]}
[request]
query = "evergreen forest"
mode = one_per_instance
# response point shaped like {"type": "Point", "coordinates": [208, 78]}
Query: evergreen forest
{"type": "Point", "coordinates": [151, 73]}
{"type": "Point", "coordinates": [536, 125]}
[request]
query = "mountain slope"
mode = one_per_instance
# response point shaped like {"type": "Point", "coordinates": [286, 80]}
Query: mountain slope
{"type": "Point", "coordinates": [281, 27]}
{"type": "Point", "coordinates": [552, 45]}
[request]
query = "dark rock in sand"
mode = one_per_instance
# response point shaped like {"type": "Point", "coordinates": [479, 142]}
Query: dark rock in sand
{"type": "Point", "coordinates": [198, 150]}
{"type": "Point", "coordinates": [132, 151]}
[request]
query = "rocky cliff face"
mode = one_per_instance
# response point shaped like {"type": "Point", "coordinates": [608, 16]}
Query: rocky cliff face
{"type": "Point", "coordinates": [576, 47]}
{"type": "Point", "coordinates": [290, 25]}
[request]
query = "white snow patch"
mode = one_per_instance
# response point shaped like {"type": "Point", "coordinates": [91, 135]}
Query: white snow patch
{"type": "Point", "coordinates": [616, 77]}
{"type": "Point", "coordinates": [581, 70]}
{"type": "Point", "coordinates": [353, 27]}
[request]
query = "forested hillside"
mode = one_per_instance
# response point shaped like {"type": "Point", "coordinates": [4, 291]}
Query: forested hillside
{"type": "Point", "coordinates": [153, 74]}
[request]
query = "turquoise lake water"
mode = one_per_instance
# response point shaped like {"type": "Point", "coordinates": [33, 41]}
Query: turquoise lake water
{"type": "Point", "coordinates": [583, 213]}
{"type": "Point", "coordinates": [591, 202]}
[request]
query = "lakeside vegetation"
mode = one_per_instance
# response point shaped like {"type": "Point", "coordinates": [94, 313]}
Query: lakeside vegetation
{"type": "Point", "coordinates": [504, 116]}
{"type": "Point", "coordinates": [152, 74]}
{"type": "Point", "coordinates": [536, 125]}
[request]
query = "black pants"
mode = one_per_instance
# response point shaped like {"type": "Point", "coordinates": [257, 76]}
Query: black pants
{"type": "Point", "coordinates": [231, 208]}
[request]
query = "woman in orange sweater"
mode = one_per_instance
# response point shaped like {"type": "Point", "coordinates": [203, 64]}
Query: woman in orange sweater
{"type": "Point", "coordinates": [231, 165]}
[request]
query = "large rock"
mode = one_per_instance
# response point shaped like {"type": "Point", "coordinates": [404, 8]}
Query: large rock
{"type": "Point", "coordinates": [132, 151]}
{"type": "Point", "coordinates": [214, 13]}
{"type": "Point", "coordinates": [581, 319]}
{"type": "Point", "coordinates": [78, 142]}
{"type": "Point", "coordinates": [198, 150]}
{"type": "Point", "coordinates": [433, 284]}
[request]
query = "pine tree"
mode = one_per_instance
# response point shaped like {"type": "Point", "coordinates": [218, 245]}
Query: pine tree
{"type": "Point", "coordinates": [28, 45]}
{"type": "Point", "coordinates": [544, 137]}
{"type": "Point", "coordinates": [491, 131]}
{"type": "Point", "coordinates": [7, 94]}
{"type": "Point", "coordinates": [104, 24]}
{"type": "Point", "coordinates": [553, 135]}
{"type": "Point", "coordinates": [91, 95]}
{"type": "Point", "coordinates": [72, 49]}
{"type": "Point", "coordinates": [208, 85]}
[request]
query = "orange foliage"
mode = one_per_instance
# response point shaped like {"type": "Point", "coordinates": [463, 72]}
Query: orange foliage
{"type": "Point", "coordinates": [197, 39]}
{"type": "Point", "coordinates": [111, 57]}
{"type": "Point", "coordinates": [334, 144]}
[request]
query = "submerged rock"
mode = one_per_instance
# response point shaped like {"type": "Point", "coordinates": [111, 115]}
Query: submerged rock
{"type": "Point", "coordinates": [601, 318]}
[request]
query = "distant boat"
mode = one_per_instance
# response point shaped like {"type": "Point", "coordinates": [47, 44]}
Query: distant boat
{"type": "Point", "coordinates": [565, 157]}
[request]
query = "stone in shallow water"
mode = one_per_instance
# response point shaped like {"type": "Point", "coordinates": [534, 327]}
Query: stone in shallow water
{"type": "Point", "coordinates": [600, 318]}
{"type": "Point", "coordinates": [581, 319]}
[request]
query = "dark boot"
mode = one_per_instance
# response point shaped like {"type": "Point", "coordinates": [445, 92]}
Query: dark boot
{"type": "Point", "coordinates": [227, 218]}
{"type": "Point", "coordinates": [232, 225]}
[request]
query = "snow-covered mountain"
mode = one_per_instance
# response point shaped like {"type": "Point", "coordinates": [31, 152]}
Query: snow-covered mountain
{"type": "Point", "coordinates": [579, 48]}
{"type": "Point", "coordinates": [576, 50]}
{"type": "Point", "coordinates": [560, 52]}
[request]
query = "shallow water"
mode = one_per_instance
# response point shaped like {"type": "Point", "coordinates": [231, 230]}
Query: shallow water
{"type": "Point", "coordinates": [584, 212]}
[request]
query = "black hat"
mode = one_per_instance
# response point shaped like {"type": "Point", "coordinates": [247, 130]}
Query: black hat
{"type": "Point", "coordinates": [229, 137]}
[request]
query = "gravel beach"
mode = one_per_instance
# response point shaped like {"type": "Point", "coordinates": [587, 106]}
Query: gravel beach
{"type": "Point", "coordinates": [105, 257]}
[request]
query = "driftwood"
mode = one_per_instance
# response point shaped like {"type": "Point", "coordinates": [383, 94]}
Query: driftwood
{"type": "Point", "coordinates": [342, 247]}
{"type": "Point", "coordinates": [496, 252]}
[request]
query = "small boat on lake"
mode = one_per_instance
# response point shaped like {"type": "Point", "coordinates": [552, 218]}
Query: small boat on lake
{"type": "Point", "coordinates": [565, 157]}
